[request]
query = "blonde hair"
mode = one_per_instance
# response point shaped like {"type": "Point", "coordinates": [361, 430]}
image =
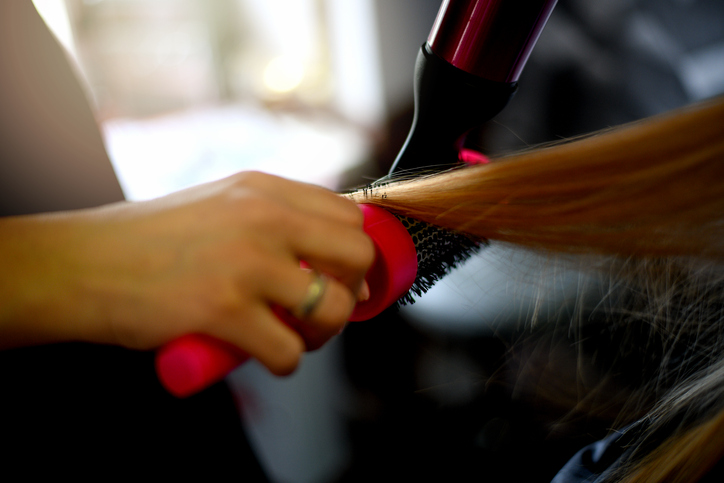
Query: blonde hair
{"type": "Point", "coordinates": [652, 188]}
{"type": "Point", "coordinates": [651, 195]}
{"type": "Point", "coordinates": [686, 458]}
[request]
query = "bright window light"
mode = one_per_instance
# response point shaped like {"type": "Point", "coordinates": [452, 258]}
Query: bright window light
{"type": "Point", "coordinates": [283, 74]}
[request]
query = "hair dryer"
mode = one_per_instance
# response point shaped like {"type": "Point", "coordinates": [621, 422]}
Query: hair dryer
{"type": "Point", "coordinates": [466, 73]}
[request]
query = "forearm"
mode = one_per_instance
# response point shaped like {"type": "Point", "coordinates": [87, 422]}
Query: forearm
{"type": "Point", "coordinates": [99, 275]}
{"type": "Point", "coordinates": [213, 259]}
{"type": "Point", "coordinates": [41, 300]}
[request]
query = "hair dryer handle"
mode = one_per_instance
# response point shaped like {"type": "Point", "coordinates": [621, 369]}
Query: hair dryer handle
{"type": "Point", "coordinates": [193, 362]}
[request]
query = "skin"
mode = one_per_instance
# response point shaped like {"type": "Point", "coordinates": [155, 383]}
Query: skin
{"type": "Point", "coordinates": [211, 259]}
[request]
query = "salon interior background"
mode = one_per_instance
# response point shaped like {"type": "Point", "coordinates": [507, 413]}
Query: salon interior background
{"type": "Point", "coordinates": [188, 91]}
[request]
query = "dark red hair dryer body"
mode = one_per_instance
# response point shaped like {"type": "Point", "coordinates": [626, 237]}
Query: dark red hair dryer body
{"type": "Point", "coordinates": [466, 73]}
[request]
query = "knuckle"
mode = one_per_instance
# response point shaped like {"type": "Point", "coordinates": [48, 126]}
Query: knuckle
{"type": "Point", "coordinates": [286, 357]}
{"type": "Point", "coordinates": [247, 259]}
{"type": "Point", "coordinates": [333, 315]}
{"type": "Point", "coordinates": [220, 301]}
{"type": "Point", "coordinates": [352, 211]}
{"type": "Point", "coordinates": [263, 213]}
{"type": "Point", "coordinates": [250, 178]}
{"type": "Point", "coordinates": [364, 254]}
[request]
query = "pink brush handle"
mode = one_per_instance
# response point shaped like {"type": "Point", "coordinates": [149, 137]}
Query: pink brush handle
{"type": "Point", "coordinates": [193, 362]}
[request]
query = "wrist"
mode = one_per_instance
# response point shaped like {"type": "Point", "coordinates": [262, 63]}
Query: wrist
{"type": "Point", "coordinates": [41, 300]}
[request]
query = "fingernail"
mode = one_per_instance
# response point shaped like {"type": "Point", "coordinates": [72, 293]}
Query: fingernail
{"type": "Point", "coordinates": [364, 292]}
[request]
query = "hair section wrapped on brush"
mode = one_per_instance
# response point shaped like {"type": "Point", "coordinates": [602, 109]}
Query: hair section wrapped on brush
{"type": "Point", "coordinates": [651, 188]}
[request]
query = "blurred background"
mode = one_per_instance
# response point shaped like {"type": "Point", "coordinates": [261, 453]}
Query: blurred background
{"type": "Point", "coordinates": [187, 91]}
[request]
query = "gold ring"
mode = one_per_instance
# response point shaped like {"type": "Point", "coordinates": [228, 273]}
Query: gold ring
{"type": "Point", "coordinates": [314, 295]}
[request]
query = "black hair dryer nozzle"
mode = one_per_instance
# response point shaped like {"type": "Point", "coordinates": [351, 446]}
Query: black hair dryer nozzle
{"type": "Point", "coordinates": [466, 73]}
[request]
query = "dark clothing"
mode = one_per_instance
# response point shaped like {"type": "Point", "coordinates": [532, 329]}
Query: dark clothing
{"type": "Point", "coordinates": [592, 461]}
{"type": "Point", "coordinates": [596, 461]}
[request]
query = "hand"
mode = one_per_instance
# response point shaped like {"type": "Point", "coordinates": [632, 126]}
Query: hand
{"type": "Point", "coordinates": [212, 259]}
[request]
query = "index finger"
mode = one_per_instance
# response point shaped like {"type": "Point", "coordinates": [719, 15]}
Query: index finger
{"type": "Point", "coordinates": [307, 198]}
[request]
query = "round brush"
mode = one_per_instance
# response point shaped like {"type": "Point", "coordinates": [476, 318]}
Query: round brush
{"type": "Point", "coordinates": [410, 256]}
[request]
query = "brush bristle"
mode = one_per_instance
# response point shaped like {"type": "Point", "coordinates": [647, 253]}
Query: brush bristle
{"type": "Point", "coordinates": [438, 252]}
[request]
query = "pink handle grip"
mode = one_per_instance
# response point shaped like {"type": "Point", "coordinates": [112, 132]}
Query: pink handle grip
{"type": "Point", "coordinates": [193, 362]}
